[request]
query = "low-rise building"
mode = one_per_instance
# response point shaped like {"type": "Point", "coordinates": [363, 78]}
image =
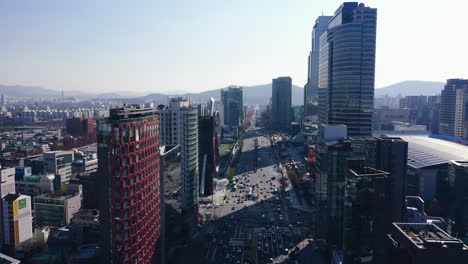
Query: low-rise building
{"type": "Point", "coordinates": [59, 162]}
{"type": "Point", "coordinates": [56, 210]}
{"type": "Point", "coordinates": [4, 259]}
{"type": "Point", "coordinates": [35, 184]}
{"type": "Point", "coordinates": [86, 217]}
{"type": "Point", "coordinates": [7, 181]}
{"type": "Point", "coordinates": [15, 221]}
{"type": "Point", "coordinates": [417, 243]}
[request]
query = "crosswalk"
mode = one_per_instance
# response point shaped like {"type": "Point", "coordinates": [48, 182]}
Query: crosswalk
{"type": "Point", "coordinates": [263, 230]}
{"type": "Point", "coordinates": [236, 242]}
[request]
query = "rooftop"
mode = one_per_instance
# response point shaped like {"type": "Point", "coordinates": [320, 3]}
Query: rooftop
{"type": "Point", "coordinates": [424, 151]}
{"type": "Point", "coordinates": [4, 259]}
{"type": "Point", "coordinates": [460, 163]}
{"type": "Point", "coordinates": [367, 172]}
{"type": "Point", "coordinates": [54, 196]}
{"type": "Point", "coordinates": [11, 197]}
{"type": "Point", "coordinates": [424, 236]}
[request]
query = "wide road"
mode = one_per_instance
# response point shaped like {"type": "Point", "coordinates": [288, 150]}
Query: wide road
{"type": "Point", "coordinates": [258, 230]}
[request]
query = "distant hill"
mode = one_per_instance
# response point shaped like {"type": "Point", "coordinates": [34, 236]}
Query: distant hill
{"type": "Point", "coordinates": [22, 91]}
{"type": "Point", "coordinates": [258, 94]}
{"type": "Point", "coordinates": [411, 88]}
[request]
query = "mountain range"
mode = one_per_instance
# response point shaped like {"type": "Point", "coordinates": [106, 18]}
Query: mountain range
{"type": "Point", "coordinates": [258, 94]}
{"type": "Point", "coordinates": [411, 88]}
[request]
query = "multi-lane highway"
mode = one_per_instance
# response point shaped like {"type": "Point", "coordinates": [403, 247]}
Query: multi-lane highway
{"type": "Point", "coordinates": [253, 219]}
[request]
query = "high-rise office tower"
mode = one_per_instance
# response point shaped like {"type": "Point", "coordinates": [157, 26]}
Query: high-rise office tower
{"type": "Point", "coordinates": [233, 102]}
{"type": "Point", "coordinates": [281, 109]}
{"type": "Point", "coordinates": [347, 69]}
{"type": "Point", "coordinates": [453, 107]}
{"type": "Point", "coordinates": [392, 156]}
{"type": "Point", "coordinates": [179, 126]}
{"type": "Point", "coordinates": [3, 101]}
{"type": "Point", "coordinates": [311, 87]}
{"type": "Point", "coordinates": [460, 126]}
{"type": "Point", "coordinates": [458, 206]}
{"type": "Point", "coordinates": [210, 106]}
{"type": "Point", "coordinates": [365, 221]}
{"type": "Point", "coordinates": [209, 142]}
{"type": "Point", "coordinates": [129, 181]}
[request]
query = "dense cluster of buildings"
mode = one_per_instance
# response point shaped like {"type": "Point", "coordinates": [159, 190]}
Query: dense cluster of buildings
{"type": "Point", "coordinates": [21, 115]}
{"type": "Point", "coordinates": [371, 188]}
{"type": "Point", "coordinates": [443, 115]}
{"type": "Point", "coordinates": [127, 196]}
{"type": "Point", "coordinates": [124, 184]}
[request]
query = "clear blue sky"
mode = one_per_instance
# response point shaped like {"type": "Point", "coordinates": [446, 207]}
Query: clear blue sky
{"type": "Point", "coordinates": [197, 45]}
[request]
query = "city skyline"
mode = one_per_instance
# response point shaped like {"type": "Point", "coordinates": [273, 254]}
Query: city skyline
{"type": "Point", "coordinates": [102, 47]}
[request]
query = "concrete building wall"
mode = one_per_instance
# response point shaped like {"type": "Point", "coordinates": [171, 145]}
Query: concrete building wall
{"type": "Point", "coordinates": [7, 181]}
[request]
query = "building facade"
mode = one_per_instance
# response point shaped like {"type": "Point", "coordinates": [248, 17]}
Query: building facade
{"type": "Point", "coordinates": [7, 181]}
{"type": "Point", "coordinates": [56, 210]}
{"type": "Point", "coordinates": [281, 109]}
{"type": "Point", "coordinates": [347, 69]}
{"type": "Point", "coordinates": [453, 107]}
{"type": "Point", "coordinates": [59, 163]}
{"type": "Point", "coordinates": [233, 103]}
{"type": "Point", "coordinates": [365, 223]}
{"type": "Point", "coordinates": [415, 243]}
{"type": "Point", "coordinates": [78, 126]}
{"type": "Point", "coordinates": [15, 222]}
{"type": "Point", "coordinates": [209, 143]}
{"type": "Point", "coordinates": [392, 156]}
{"type": "Point", "coordinates": [129, 180]}
{"type": "Point", "coordinates": [458, 184]}
{"type": "Point", "coordinates": [311, 88]}
{"type": "Point", "coordinates": [33, 185]}
{"type": "Point", "coordinates": [179, 126]}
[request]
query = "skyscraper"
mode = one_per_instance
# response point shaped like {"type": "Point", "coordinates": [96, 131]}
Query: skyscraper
{"type": "Point", "coordinates": [128, 175]}
{"type": "Point", "coordinates": [281, 109]}
{"type": "Point", "coordinates": [365, 221]}
{"type": "Point", "coordinates": [310, 89]}
{"type": "Point", "coordinates": [233, 102]}
{"type": "Point", "coordinates": [392, 156]}
{"type": "Point", "coordinates": [208, 141]}
{"type": "Point", "coordinates": [453, 107]}
{"type": "Point", "coordinates": [179, 126]}
{"type": "Point", "coordinates": [347, 69]}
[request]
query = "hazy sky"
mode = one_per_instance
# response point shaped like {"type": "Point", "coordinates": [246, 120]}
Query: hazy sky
{"type": "Point", "coordinates": [197, 45]}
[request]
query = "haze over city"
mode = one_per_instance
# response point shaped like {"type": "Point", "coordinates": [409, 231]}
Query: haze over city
{"type": "Point", "coordinates": [193, 46]}
{"type": "Point", "coordinates": [233, 132]}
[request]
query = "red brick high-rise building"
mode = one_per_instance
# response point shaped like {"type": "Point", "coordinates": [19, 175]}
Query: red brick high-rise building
{"type": "Point", "coordinates": [129, 185]}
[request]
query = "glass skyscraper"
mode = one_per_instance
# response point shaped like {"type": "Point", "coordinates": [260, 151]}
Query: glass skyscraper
{"type": "Point", "coordinates": [233, 102]}
{"type": "Point", "coordinates": [310, 89]}
{"type": "Point", "coordinates": [453, 109]}
{"type": "Point", "coordinates": [347, 69]}
{"type": "Point", "coordinates": [281, 109]}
